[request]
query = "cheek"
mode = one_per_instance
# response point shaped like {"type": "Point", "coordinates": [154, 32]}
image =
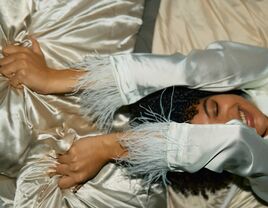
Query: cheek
{"type": "Point", "coordinates": [261, 124]}
{"type": "Point", "coordinates": [196, 120]}
{"type": "Point", "coordinates": [199, 118]}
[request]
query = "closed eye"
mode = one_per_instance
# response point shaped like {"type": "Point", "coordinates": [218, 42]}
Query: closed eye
{"type": "Point", "coordinates": [205, 107]}
{"type": "Point", "coordinates": [215, 108]}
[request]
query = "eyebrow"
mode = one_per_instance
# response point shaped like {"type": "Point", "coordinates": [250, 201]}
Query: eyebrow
{"type": "Point", "coordinates": [205, 107]}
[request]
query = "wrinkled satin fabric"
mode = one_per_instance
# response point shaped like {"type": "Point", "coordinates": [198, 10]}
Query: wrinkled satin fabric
{"type": "Point", "coordinates": [35, 127]}
{"type": "Point", "coordinates": [195, 24]}
{"type": "Point", "coordinates": [222, 66]}
{"type": "Point", "coordinates": [42, 130]}
{"type": "Point", "coordinates": [67, 30]}
{"type": "Point", "coordinates": [15, 18]}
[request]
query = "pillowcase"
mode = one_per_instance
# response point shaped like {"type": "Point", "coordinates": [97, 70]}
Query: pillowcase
{"type": "Point", "coordinates": [67, 30]}
{"type": "Point", "coordinates": [187, 24]}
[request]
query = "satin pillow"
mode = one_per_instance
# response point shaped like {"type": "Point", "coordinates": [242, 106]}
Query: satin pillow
{"type": "Point", "coordinates": [187, 24]}
{"type": "Point", "coordinates": [67, 30]}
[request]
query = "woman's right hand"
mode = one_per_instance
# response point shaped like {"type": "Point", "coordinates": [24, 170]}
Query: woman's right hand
{"type": "Point", "coordinates": [86, 157]}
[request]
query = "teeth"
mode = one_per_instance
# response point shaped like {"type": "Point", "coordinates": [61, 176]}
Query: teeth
{"type": "Point", "coordinates": [243, 117]}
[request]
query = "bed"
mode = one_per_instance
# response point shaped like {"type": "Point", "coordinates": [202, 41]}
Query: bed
{"type": "Point", "coordinates": [181, 26]}
{"type": "Point", "coordinates": [70, 29]}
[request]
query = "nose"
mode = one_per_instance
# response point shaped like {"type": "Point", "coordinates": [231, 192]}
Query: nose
{"type": "Point", "coordinates": [228, 113]}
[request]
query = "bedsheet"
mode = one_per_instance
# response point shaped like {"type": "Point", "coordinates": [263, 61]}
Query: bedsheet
{"type": "Point", "coordinates": [187, 24]}
{"type": "Point", "coordinates": [34, 127]}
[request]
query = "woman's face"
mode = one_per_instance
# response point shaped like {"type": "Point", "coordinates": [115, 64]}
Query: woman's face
{"type": "Point", "coordinates": [225, 107]}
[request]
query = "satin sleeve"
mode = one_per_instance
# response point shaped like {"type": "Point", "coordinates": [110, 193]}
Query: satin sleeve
{"type": "Point", "coordinates": [156, 148]}
{"type": "Point", "coordinates": [222, 66]}
{"type": "Point", "coordinates": [119, 80]}
{"type": "Point", "coordinates": [233, 147]}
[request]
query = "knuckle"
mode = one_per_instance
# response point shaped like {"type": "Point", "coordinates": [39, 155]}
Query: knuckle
{"type": "Point", "coordinates": [75, 158]}
{"type": "Point", "coordinates": [23, 63]}
{"type": "Point", "coordinates": [73, 151]}
{"type": "Point", "coordinates": [72, 160]}
{"type": "Point", "coordinates": [24, 55]}
{"type": "Point", "coordinates": [58, 168]}
{"type": "Point", "coordinates": [74, 168]}
{"type": "Point", "coordinates": [21, 74]}
{"type": "Point", "coordinates": [79, 178]}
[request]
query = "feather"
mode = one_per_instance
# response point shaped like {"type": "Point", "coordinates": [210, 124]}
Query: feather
{"type": "Point", "coordinates": [100, 97]}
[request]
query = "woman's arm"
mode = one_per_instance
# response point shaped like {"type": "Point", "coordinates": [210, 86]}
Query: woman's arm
{"type": "Point", "coordinates": [28, 66]}
{"type": "Point", "coordinates": [86, 157]}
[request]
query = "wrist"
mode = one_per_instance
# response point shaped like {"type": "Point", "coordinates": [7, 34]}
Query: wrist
{"type": "Point", "coordinates": [62, 80]}
{"type": "Point", "coordinates": [50, 81]}
{"type": "Point", "coordinates": [112, 147]}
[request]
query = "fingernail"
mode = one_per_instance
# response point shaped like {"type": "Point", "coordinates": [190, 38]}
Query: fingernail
{"type": "Point", "coordinates": [76, 188]}
{"type": "Point", "coordinates": [51, 172]}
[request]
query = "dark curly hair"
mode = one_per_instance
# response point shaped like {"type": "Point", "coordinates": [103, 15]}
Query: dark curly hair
{"type": "Point", "coordinates": [178, 104]}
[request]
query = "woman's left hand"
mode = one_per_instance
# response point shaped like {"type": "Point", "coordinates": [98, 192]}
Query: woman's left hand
{"type": "Point", "coordinates": [25, 66]}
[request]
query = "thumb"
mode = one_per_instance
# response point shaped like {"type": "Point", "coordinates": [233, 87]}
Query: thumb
{"type": "Point", "coordinates": [36, 47]}
{"type": "Point", "coordinates": [66, 182]}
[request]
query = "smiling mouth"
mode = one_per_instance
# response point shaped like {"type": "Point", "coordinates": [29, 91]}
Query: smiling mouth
{"type": "Point", "coordinates": [243, 117]}
{"type": "Point", "coordinates": [246, 118]}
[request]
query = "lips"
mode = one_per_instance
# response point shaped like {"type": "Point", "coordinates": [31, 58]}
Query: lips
{"type": "Point", "coordinates": [246, 118]}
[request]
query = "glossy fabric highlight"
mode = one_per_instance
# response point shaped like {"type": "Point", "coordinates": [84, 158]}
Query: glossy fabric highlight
{"type": "Point", "coordinates": [36, 127]}
{"type": "Point", "coordinates": [195, 24]}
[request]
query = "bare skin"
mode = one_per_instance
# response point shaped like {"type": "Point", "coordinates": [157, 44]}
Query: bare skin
{"type": "Point", "coordinates": [223, 108]}
{"type": "Point", "coordinates": [27, 66]}
{"type": "Point", "coordinates": [86, 157]}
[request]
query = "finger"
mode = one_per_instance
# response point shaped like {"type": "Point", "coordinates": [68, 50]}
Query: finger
{"type": "Point", "coordinates": [23, 57]}
{"type": "Point", "coordinates": [36, 46]}
{"type": "Point", "coordinates": [62, 169]}
{"type": "Point", "coordinates": [9, 70]}
{"type": "Point", "coordinates": [51, 172]}
{"type": "Point", "coordinates": [13, 57]}
{"type": "Point", "coordinates": [6, 60]}
{"type": "Point", "coordinates": [16, 83]}
{"type": "Point", "coordinates": [11, 49]}
{"type": "Point", "coordinates": [63, 159]}
{"type": "Point", "coordinates": [66, 182]}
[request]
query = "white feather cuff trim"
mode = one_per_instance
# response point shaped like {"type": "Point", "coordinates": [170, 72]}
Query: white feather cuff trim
{"type": "Point", "coordinates": [147, 152]}
{"type": "Point", "coordinates": [100, 97]}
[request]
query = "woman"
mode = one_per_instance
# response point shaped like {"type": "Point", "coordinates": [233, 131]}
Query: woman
{"type": "Point", "coordinates": [22, 74]}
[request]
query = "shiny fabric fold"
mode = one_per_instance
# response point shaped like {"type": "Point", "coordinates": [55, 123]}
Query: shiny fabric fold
{"type": "Point", "coordinates": [189, 24]}
{"type": "Point", "coordinates": [36, 127]}
{"type": "Point", "coordinates": [222, 66]}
